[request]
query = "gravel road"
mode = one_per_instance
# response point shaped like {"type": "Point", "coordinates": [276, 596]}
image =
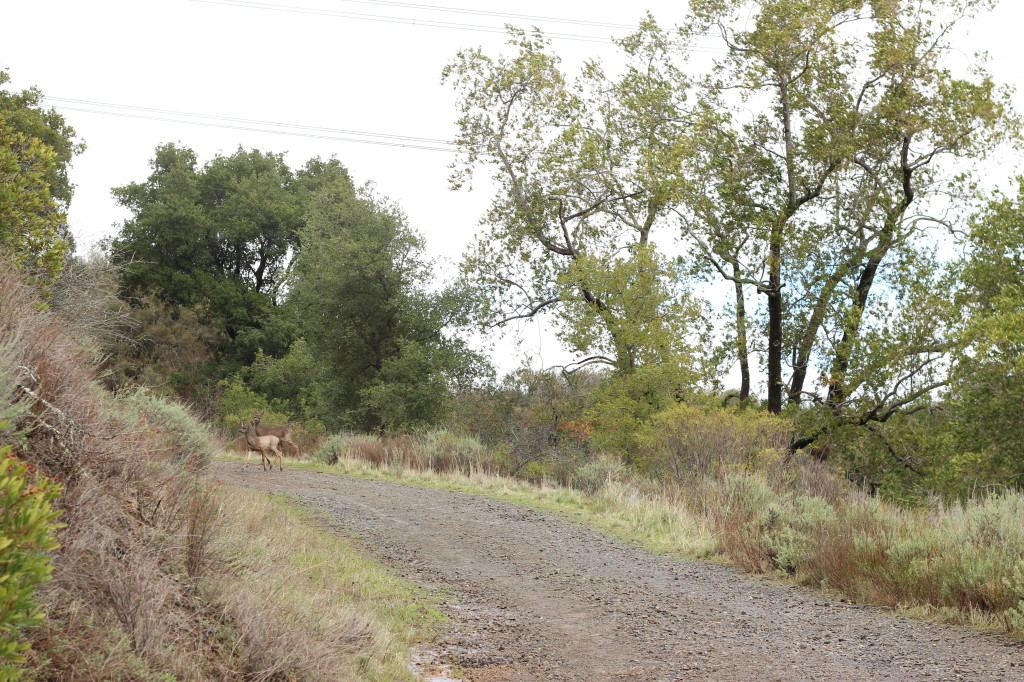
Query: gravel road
{"type": "Point", "coordinates": [536, 597]}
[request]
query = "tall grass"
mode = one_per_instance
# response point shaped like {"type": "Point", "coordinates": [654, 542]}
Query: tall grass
{"type": "Point", "coordinates": [740, 495]}
{"type": "Point", "coordinates": [302, 603]}
{"type": "Point", "coordinates": [158, 576]}
{"type": "Point", "coordinates": [961, 560]}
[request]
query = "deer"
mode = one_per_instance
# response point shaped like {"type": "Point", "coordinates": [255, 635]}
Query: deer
{"type": "Point", "coordinates": [283, 433]}
{"type": "Point", "coordinates": [262, 444]}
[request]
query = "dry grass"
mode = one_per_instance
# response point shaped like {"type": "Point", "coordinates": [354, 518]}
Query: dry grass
{"type": "Point", "coordinates": [307, 602]}
{"type": "Point", "coordinates": [158, 577]}
{"type": "Point", "coordinates": [788, 516]}
{"type": "Point", "coordinates": [632, 512]}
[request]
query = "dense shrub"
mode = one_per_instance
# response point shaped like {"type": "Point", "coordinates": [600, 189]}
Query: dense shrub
{"type": "Point", "coordinates": [689, 442]}
{"type": "Point", "coordinates": [27, 524]}
{"type": "Point", "coordinates": [439, 451]}
{"type": "Point", "coordinates": [962, 557]}
{"type": "Point", "coordinates": [184, 439]}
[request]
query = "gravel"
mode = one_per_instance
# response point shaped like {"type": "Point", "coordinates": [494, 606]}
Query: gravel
{"type": "Point", "coordinates": [536, 597]}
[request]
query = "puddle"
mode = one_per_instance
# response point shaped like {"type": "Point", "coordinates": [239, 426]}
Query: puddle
{"type": "Point", "coordinates": [426, 665]}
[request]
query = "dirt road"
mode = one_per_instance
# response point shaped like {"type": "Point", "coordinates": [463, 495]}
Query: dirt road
{"type": "Point", "coordinates": [539, 598]}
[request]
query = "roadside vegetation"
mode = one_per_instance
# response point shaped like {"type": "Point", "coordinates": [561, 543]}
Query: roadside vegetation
{"type": "Point", "coordinates": [959, 562]}
{"type": "Point", "coordinates": [822, 172]}
{"type": "Point", "coordinates": [147, 570]}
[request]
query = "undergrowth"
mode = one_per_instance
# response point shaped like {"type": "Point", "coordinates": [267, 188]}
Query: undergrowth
{"type": "Point", "coordinates": [157, 573]}
{"type": "Point", "coordinates": [787, 516]}
{"type": "Point", "coordinates": [302, 601]}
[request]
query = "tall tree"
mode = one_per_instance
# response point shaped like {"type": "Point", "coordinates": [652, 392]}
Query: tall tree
{"type": "Point", "coordinates": [986, 398]}
{"type": "Point", "coordinates": [218, 238]}
{"type": "Point", "coordinates": [36, 148]}
{"type": "Point", "coordinates": [30, 222]}
{"type": "Point", "coordinates": [823, 199]}
{"type": "Point", "coordinates": [586, 171]}
{"type": "Point", "coordinates": [25, 114]}
{"type": "Point", "coordinates": [361, 292]}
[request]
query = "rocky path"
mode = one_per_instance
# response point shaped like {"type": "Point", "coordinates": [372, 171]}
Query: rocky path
{"type": "Point", "coordinates": [535, 597]}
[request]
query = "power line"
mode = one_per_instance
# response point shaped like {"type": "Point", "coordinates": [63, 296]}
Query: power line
{"type": "Point", "coordinates": [408, 21]}
{"type": "Point", "coordinates": [488, 13]}
{"type": "Point", "coordinates": [209, 124]}
{"type": "Point", "coordinates": [298, 126]}
{"type": "Point", "coordinates": [247, 4]}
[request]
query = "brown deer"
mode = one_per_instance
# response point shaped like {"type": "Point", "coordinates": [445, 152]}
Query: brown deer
{"type": "Point", "coordinates": [283, 433]}
{"type": "Point", "coordinates": [262, 444]}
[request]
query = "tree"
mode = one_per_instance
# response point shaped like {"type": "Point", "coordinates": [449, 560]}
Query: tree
{"type": "Point", "coordinates": [36, 148]}
{"type": "Point", "coordinates": [586, 172]}
{"type": "Point", "coordinates": [24, 113]}
{"type": "Point", "coordinates": [986, 398]}
{"type": "Point", "coordinates": [219, 238]}
{"type": "Point", "coordinates": [360, 293]}
{"type": "Point", "coordinates": [827, 198]}
{"type": "Point", "coordinates": [30, 222]}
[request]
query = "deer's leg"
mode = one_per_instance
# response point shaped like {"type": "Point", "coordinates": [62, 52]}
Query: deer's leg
{"type": "Point", "coordinates": [248, 454]}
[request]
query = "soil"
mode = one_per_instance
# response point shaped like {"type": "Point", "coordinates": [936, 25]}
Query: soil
{"type": "Point", "coordinates": [537, 597]}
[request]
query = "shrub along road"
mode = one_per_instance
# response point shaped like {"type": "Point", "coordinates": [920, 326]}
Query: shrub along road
{"type": "Point", "coordinates": [535, 597]}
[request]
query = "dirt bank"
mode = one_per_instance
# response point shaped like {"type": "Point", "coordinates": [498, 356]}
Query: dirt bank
{"type": "Point", "coordinates": [535, 597]}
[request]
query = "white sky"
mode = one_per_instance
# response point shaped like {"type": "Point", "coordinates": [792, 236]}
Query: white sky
{"type": "Point", "coordinates": [218, 58]}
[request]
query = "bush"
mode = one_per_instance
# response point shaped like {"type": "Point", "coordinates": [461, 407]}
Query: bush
{"type": "Point", "coordinates": [597, 473]}
{"type": "Point", "coordinates": [688, 442]}
{"type": "Point", "coordinates": [185, 439]}
{"type": "Point", "coordinates": [444, 451]}
{"type": "Point", "coordinates": [26, 535]}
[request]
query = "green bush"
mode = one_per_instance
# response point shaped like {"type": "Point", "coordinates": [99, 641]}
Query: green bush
{"type": "Point", "coordinates": [445, 451]}
{"type": "Point", "coordinates": [27, 523]}
{"type": "Point", "coordinates": [593, 475]}
{"type": "Point", "coordinates": [686, 442]}
{"type": "Point", "coordinates": [344, 445]}
{"type": "Point", "coordinates": [185, 439]}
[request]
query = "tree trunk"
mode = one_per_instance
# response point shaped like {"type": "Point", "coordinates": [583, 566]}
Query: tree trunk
{"type": "Point", "coordinates": [774, 294]}
{"type": "Point", "coordinates": [741, 338]}
{"type": "Point", "coordinates": [851, 331]}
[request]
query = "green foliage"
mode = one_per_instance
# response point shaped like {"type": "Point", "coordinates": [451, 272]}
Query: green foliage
{"type": "Point", "coordinates": [987, 396]}
{"type": "Point", "coordinates": [217, 238]}
{"type": "Point", "coordinates": [291, 384]}
{"type": "Point", "coordinates": [688, 442]}
{"type": "Point", "coordinates": [337, 446]}
{"type": "Point", "coordinates": [239, 402]}
{"type": "Point", "coordinates": [360, 289]}
{"type": "Point", "coordinates": [169, 347]}
{"type": "Point", "coordinates": [178, 434]}
{"type": "Point", "coordinates": [411, 390]}
{"type": "Point", "coordinates": [24, 113]}
{"type": "Point", "coordinates": [586, 171]}
{"type": "Point", "coordinates": [31, 226]}
{"type": "Point", "coordinates": [36, 148]}
{"type": "Point", "coordinates": [27, 524]}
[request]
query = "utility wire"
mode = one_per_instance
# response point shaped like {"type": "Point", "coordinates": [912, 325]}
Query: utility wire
{"type": "Point", "coordinates": [408, 21]}
{"type": "Point", "coordinates": [246, 4]}
{"type": "Point", "coordinates": [488, 13]}
{"type": "Point", "coordinates": [278, 124]}
{"type": "Point", "coordinates": [210, 124]}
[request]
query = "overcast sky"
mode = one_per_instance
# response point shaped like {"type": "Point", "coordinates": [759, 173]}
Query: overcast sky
{"type": "Point", "coordinates": [364, 66]}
